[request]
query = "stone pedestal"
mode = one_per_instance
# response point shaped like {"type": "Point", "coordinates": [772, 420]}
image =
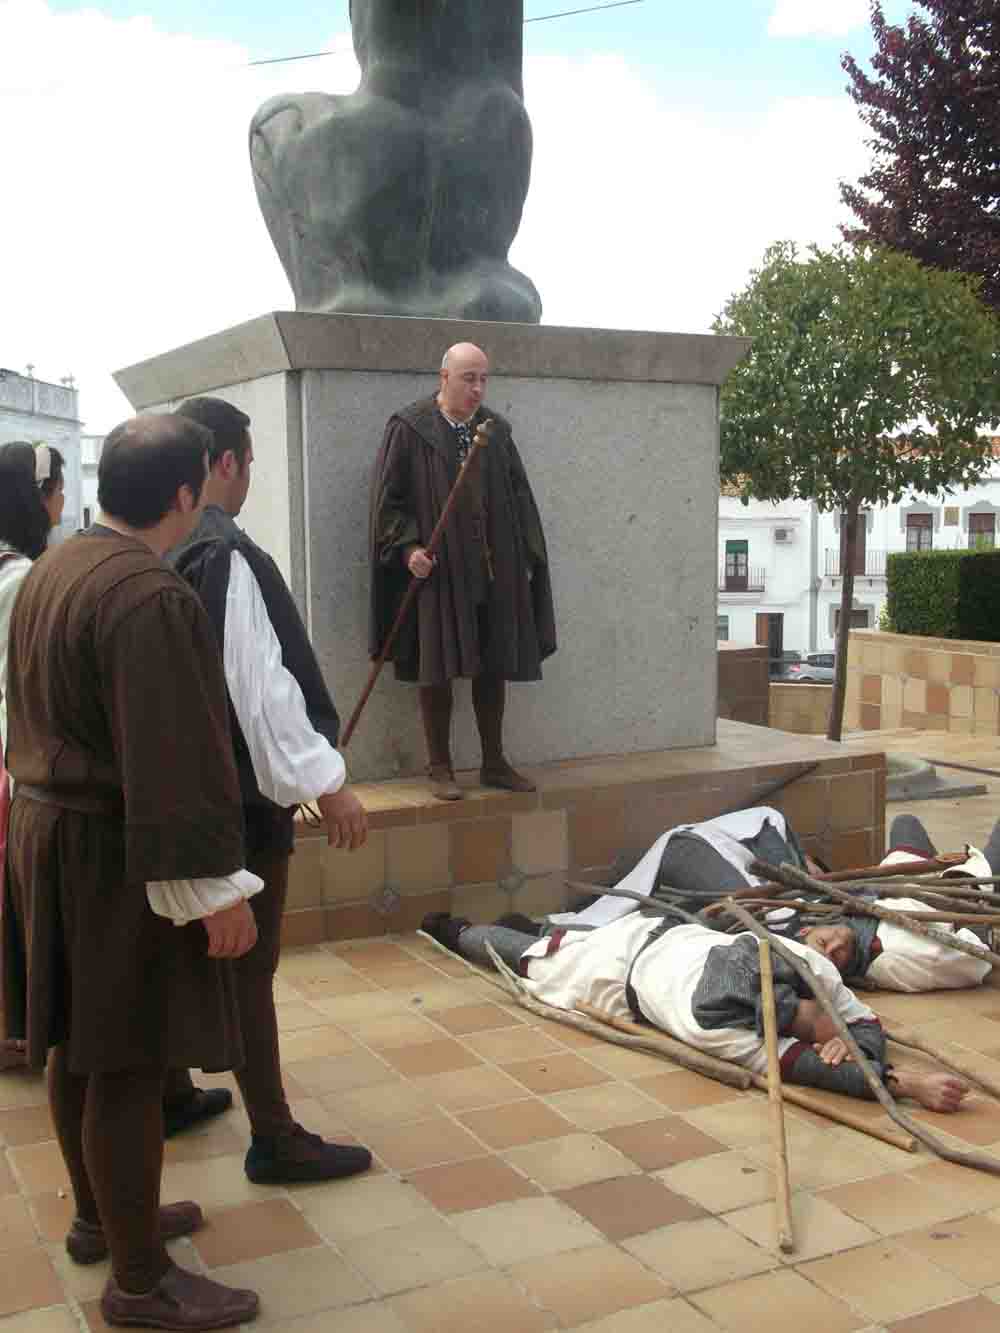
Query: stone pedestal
{"type": "Point", "coordinates": [619, 434]}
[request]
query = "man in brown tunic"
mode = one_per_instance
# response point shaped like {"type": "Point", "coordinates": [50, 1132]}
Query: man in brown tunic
{"type": "Point", "coordinates": [486, 611]}
{"type": "Point", "coordinates": [125, 826]}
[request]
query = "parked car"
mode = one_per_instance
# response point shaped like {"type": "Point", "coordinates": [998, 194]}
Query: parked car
{"type": "Point", "coordinates": [814, 669]}
{"type": "Point", "coordinates": [777, 666]}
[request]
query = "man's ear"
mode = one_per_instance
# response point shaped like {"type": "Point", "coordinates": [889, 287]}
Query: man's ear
{"type": "Point", "coordinates": [227, 464]}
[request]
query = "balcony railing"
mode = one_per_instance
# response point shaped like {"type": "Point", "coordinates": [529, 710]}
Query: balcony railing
{"type": "Point", "coordinates": [751, 580]}
{"type": "Point", "coordinates": [874, 565]}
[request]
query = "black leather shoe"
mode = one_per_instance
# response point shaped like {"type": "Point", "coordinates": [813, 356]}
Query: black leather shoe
{"type": "Point", "coordinates": [203, 1104]}
{"type": "Point", "coordinates": [298, 1157]}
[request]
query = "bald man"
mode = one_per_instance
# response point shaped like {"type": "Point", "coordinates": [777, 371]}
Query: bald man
{"type": "Point", "coordinates": [486, 611]}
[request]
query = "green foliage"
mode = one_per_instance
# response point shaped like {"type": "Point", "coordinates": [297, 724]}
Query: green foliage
{"type": "Point", "coordinates": [852, 352]}
{"type": "Point", "coordinates": [945, 594]}
{"type": "Point", "coordinates": [979, 596]}
{"type": "Point", "coordinates": [922, 592]}
{"type": "Point", "coordinates": [932, 106]}
{"type": "Point", "coordinates": [885, 621]}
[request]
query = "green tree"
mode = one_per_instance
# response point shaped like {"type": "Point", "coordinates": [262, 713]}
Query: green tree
{"type": "Point", "coordinates": [869, 376]}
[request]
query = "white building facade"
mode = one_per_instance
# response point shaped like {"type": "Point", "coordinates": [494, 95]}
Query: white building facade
{"type": "Point", "coordinates": [42, 413]}
{"type": "Point", "coordinates": [90, 456]}
{"type": "Point", "coordinates": [780, 564]}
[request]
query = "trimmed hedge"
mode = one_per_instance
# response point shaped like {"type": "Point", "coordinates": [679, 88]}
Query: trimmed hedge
{"type": "Point", "coordinates": [945, 594]}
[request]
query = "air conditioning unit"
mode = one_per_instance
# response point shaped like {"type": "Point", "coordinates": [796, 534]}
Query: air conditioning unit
{"type": "Point", "coordinates": [784, 535]}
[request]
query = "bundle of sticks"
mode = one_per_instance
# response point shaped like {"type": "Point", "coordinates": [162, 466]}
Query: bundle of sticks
{"type": "Point", "coordinates": [819, 898]}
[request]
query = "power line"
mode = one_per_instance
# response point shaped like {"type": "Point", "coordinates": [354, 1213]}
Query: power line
{"type": "Point", "coordinates": [540, 18]}
{"type": "Point", "coordinates": [592, 9]}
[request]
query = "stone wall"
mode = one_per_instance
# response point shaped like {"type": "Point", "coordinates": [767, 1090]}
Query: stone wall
{"type": "Point", "coordinates": [801, 708]}
{"type": "Point", "coordinates": [493, 853]}
{"type": "Point", "coordinates": [743, 683]}
{"type": "Point", "coordinates": [906, 680]}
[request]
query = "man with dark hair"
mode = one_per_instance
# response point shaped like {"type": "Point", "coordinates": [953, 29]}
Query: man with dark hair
{"type": "Point", "coordinates": [285, 729]}
{"type": "Point", "coordinates": [126, 894]}
{"type": "Point", "coordinates": [486, 611]}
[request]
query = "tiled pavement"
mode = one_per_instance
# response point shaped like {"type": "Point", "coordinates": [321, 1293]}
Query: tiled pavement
{"type": "Point", "coordinates": [530, 1178]}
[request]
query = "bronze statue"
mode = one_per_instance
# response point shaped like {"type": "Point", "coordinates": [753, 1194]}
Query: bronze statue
{"type": "Point", "coordinates": [403, 198]}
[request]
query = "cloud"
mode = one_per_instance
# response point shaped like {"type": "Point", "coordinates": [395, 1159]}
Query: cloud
{"type": "Point", "coordinates": [651, 216]}
{"type": "Point", "coordinates": [131, 226]}
{"type": "Point", "coordinates": [817, 18]}
{"type": "Point", "coordinates": [130, 222]}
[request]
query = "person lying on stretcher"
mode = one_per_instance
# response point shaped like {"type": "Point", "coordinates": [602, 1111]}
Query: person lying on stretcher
{"type": "Point", "coordinates": [701, 863]}
{"type": "Point", "coordinates": [703, 987]}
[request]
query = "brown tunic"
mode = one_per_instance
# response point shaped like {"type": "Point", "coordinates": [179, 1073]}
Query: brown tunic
{"type": "Point", "coordinates": [414, 472]}
{"type": "Point", "coordinates": [118, 720]}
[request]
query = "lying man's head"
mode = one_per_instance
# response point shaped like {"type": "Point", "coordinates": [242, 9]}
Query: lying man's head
{"type": "Point", "coordinates": [838, 943]}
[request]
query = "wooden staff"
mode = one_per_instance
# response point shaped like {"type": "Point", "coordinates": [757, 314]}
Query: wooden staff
{"type": "Point", "coordinates": [782, 1197]}
{"type": "Point", "coordinates": [878, 1088]}
{"type": "Point", "coordinates": [712, 1067]}
{"type": "Point", "coordinates": [794, 878]}
{"type": "Point", "coordinates": [942, 862]}
{"type": "Point", "coordinates": [480, 439]}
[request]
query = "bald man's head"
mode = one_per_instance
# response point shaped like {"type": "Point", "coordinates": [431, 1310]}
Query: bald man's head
{"type": "Point", "coordinates": [146, 461]}
{"type": "Point", "coordinates": [465, 370]}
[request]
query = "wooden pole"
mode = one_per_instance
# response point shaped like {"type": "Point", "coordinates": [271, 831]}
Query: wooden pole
{"type": "Point", "coordinates": [840, 1115]}
{"type": "Point", "coordinates": [483, 431]}
{"type": "Point", "coordinates": [782, 1196]}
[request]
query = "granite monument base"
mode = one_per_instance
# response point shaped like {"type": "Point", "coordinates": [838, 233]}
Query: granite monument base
{"type": "Point", "coordinates": [620, 437]}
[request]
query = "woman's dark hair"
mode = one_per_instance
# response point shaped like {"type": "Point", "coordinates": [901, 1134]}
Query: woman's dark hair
{"type": "Point", "coordinates": [227, 423]}
{"type": "Point", "coordinates": [24, 520]}
{"type": "Point", "coordinates": [145, 462]}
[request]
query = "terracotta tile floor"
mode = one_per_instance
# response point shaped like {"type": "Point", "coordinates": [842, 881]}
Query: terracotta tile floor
{"type": "Point", "coordinates": [530, 1178]}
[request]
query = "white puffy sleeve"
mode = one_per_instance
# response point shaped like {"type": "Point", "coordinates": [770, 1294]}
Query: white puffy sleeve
{"type": "Point", "coordinates": [184, 900]}
{"type": "Point", "coordinates": [292, 762]}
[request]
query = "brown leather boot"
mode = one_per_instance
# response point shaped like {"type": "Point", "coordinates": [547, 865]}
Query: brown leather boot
{"type": "Point", "coordinates": [180, 1300]}
{"type": "Point", "coordinates": [85, 1242]}
{"type": "Point", "coordinates": [436, 702]}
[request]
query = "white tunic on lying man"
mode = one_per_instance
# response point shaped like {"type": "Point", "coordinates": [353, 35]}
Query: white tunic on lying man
{"type": "Point", "coordinates": [901, 960]}
{"type": "Point", "coordinates": [673, 982]}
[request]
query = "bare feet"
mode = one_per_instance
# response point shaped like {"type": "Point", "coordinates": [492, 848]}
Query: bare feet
{"type": "Point", "coordinates": [936, 1092]}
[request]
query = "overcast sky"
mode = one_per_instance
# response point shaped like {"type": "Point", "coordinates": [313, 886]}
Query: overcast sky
{"type": "Point", "coordinates": [673, 142]}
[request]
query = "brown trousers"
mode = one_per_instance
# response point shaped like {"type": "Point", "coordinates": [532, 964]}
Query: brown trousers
{"type": "Point", "coordinates": [110, 1130]}
{"type": "Point", "coordinates": [259, 1080]}
{"type": "Point", "coordinates": [436, 705]}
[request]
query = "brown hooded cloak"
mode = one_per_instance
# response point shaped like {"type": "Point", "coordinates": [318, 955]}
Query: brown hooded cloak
{"type": "Point", "coordinates": [416, 468]}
